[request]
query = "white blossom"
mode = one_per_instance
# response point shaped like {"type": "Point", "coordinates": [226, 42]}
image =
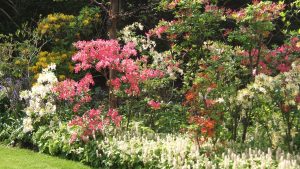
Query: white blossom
{"type": "Point", "coordinates": [27, 125]}
{"type": "Point", "coordinates": [40, 98]}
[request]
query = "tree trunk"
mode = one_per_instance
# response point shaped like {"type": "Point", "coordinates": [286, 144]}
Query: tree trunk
{"type": "Point", "coordinates": [245, 121]}
{"type": "Point", "coordinates": [112, 33]}
{"type": "Point", "coordinates": [235, 125]}
{"type": "Point", "coordinates": [244, 132]}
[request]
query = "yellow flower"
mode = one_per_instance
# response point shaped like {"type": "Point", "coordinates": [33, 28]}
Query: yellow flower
{"type": "Point", "coordinates": [43, 59]}
{"type": "Point", "coordinates": [17, 62]}
{"type": "Point", "coordinates": [52, 18]}
{"type": "Point", "coordinates": [43, 53]}
{"type": "Point", "coordinates": [52, 59]}
{"type": "Point", "coordinates": [46, 26]}
{"type": "Point", "coordinates": [86, 22]}
{"type": "Point", "coordinates": [44, 65]}
{"type": "Point", "coordinates": [38, 64]}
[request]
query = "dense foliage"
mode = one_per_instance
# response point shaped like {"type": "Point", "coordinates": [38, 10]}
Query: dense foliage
{"type": "Point", "coordinates": [205, 84]}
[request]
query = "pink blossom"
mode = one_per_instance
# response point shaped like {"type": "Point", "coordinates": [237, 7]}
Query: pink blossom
{"type": "Point", "coordinates": [154, 105]}
{"type": "Point", "coordinates": [76, 107]}
{"type": "Point", "coordinates": [116, 83]}
{"type": "Point", "coordinates": [103, 54]}
{"type": "Point", "coordinates": [210, 8]}
{"type": "Point", "coordinates": [73, 138]}
{"type": "Point", "coordinates": [283, 67]}
{"type": "Point", "coordinates": [129, 50]}
{"type": "Point", "coordinates": [93, 123]}
{"type": "Point", "coordinates": [160, 30]}
{"type": "Point", "coordinates": [70, 90]}
{"type": "Point", "coordinates": [115, 117]}
{"type": "Point", "coordinates": [150, 74]}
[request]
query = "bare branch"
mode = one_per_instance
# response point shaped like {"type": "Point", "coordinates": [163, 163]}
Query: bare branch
{"type": "Point", "coordinates": [100, 4]}
{"type": "Point", "coordinates": [138, 9]}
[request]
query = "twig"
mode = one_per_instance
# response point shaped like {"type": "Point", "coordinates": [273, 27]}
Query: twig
{"type": "Point", "coordinates": [100, 4]}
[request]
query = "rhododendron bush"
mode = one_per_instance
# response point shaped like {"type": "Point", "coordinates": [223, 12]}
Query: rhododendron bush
{"type": "Point", "coordinates": [103, 55]}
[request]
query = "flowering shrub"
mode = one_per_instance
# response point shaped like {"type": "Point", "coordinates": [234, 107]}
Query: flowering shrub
{"type": "Point", "coordinates": [60, 31]}
{"type": "Point", "coordinates": [102, 54]}
{"type": "Point", "coordinates": [281, 58]}
{"type": "Point", "coordinates": [92, 123]}
{"type": "Point", "coordinates": [40, 99]}
{"type": "Point", "coordinates": [58, 25]}
{"type": "Point", "coordinates": [75, 92]}
{"type": "Point", "coordinates": [281, 90]}
{"type": "Point", "coordinates": [146, 46]}
{"type": "Point", "coordinates": [44, 58]}
{"type": "Point", "coordinates": [170, 112]}
{"type": "Point", "coordinates": [207, 82]}
{"type": "Point", "coordinates": [259, 11]}
{"type": "Point", "coordinates": [54, 22]}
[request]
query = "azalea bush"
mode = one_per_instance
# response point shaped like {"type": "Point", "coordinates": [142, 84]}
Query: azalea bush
{"type": "Point", "coordinates": [59, 31]}
{"type": "Point", "coordinates": [41, 102]}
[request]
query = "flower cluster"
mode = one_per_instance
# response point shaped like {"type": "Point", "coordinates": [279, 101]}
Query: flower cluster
{"type": "Point", "coordinates": [146, 46]}
{"type": "Point", "coordinates": [179, 151]}
{"type": "Point", "coordinates": [55, 22]}
{"type": "Point", "coordinates": [41, 100]}
{"type": "Point", "coordinates": [55, 25]}
{"type": "Point", "coordinates": [92, 123]}
{"type": "Point", "coordinates": [159, 152]}
{"type": "Point", "coordinates": [44, 58]}
{"type": "Point", "coordinates": [284, 86]}
{"type": "Point", "coordinates": [103, 54]}
{"type": "Point", "coordinates": [75, 92]}
{"type": "Point", "coordinates": [273, 61]}
{"type": "Point", "coordinates": [259, 12]}
{"type": "Point", "coordinates": [255, 158]}
{"type": "Point", "coordinates": [281, 58]}
{"type": "Point", "coordinates": [158, 31]}
{"type": "Point", "coordinates": [154, 105]}
{"type": "Point", "coordinates": [203, 107]}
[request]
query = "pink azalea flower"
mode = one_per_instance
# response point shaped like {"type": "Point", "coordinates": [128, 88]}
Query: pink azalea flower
{"type": "Point", "coordinates": [154, 105]}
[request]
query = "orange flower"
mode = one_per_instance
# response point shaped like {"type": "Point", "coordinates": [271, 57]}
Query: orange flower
{"type": "Point", "coordinates": [215, 58]}
{"type": "Point", "coordinates": [190, 96]}
{"type": "Point", "coordinates": [209, 103]}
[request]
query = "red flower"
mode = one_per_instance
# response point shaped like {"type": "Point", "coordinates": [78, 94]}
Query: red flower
{"type": "Point", "coordinates": [154, 105]}
{"type": "Point", "coordinates": [209, 103]}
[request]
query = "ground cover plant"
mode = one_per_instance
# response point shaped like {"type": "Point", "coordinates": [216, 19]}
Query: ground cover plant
{"type": "Point", "coordinates": [198, 84]}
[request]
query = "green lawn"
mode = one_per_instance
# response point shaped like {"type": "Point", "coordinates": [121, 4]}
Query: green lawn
{"type": "Point", "coordinates": [13, 158]}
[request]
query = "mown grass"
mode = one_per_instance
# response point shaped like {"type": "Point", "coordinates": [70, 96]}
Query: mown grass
{"type": "Point", "coordinates": [13, 158]}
